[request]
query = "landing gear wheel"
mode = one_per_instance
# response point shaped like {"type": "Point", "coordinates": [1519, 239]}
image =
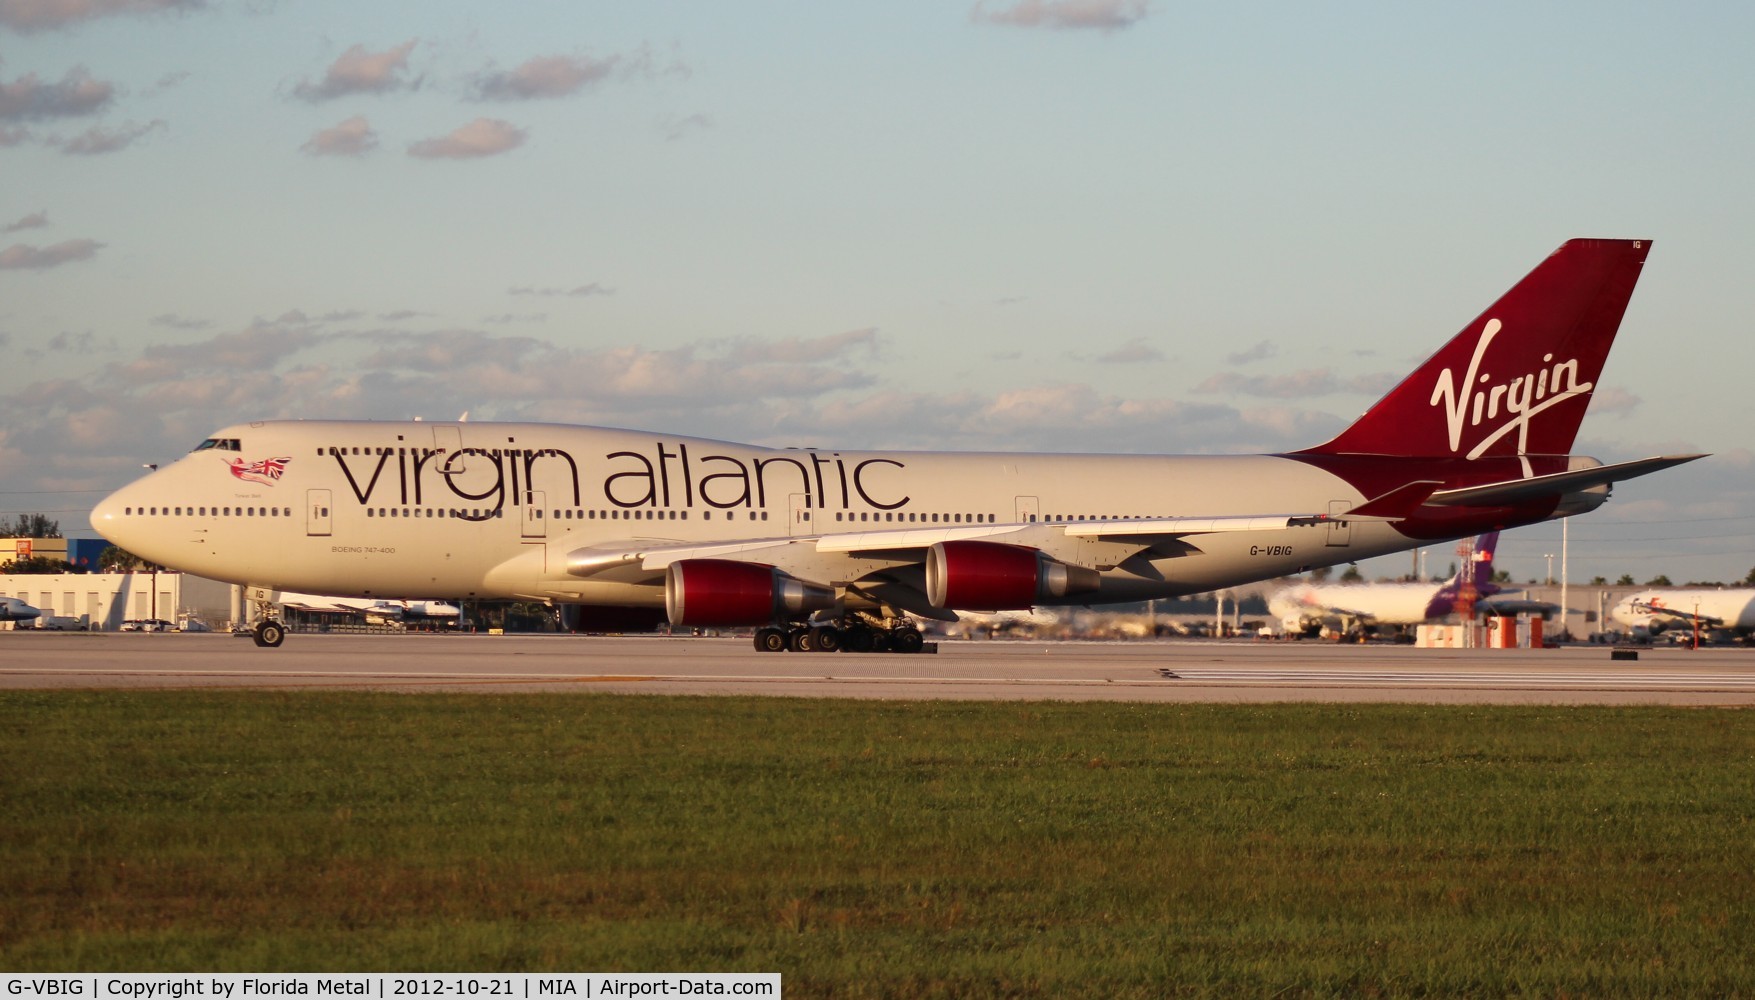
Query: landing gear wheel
{"type": "Point", "coordinates": [803, 640]}
{"type": "Point", "coordinates": [828, 639]}
{"type": "Point", "coordinates": [907, 640]}
{"type": "Point", "coordinates": [269, 634]}
{"type": "Point", "coordinates": [770, 640]}
{"type": "Point", "coordinates": [856, 639]}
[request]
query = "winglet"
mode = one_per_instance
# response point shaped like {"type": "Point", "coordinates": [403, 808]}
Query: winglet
{"type": "Point", "coordinates": [1398, 503]}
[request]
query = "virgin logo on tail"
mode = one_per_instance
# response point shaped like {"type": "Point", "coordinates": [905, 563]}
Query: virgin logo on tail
{"type": "Point", "coordinates": [1478, 399]}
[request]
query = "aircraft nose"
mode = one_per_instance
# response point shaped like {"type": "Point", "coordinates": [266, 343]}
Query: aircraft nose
{"type": "Point", "coordinates": [109, 517]}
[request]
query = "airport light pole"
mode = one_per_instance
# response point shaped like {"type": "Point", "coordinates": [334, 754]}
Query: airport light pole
{"type": "Point", "coordinates": [1565, 612]}
{"type": "Point", "coordinates": [1550, 557]}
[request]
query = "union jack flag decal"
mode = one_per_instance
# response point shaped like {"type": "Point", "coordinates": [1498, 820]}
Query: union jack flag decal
{"type": "Point", "coordinates": [266, 471]}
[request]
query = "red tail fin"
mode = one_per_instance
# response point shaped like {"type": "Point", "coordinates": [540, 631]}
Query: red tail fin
{"type": "Point", "coordinates": [1517, 380]}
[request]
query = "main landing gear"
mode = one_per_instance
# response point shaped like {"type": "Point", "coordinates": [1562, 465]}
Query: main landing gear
{"type": "Point", "coordinates": [269, 633]}
{"type": "Point", "coordinates": [849, 636]}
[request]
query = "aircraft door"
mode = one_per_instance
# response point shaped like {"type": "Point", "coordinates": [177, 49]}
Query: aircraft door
{"type": "Point", "coordinates": [1029, 510]}
{"type": "Point", "coordinates": [798, 520]}
{"type": "Point", "coordinates": [533, 522]}
{"type": "Point", "coordinates": [317, 518]}
{"type": "Point", "coordinates": [1340, 532]}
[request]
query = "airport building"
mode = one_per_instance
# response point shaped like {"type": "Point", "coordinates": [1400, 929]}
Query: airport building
{"type": "Point", "coordinates": [103, 601]}
{"type": "Point", "coordinates": [81, 552]}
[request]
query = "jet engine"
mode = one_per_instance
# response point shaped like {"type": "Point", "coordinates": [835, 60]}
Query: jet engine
{"type": "Point", "coordinates": [727, 592]}
{"type": "Point", "coordinates": [992, 576]}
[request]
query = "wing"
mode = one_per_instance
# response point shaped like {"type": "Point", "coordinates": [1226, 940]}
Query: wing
{"type": "Point", "coordinates": [932, 570]}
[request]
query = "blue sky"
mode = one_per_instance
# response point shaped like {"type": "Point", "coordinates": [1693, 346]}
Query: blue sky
{"type": "Point", "coordinates": [1094, 225]}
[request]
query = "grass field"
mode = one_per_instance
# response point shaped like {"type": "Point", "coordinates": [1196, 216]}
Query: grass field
{"type": "Point", "coordinates": [875, 849]}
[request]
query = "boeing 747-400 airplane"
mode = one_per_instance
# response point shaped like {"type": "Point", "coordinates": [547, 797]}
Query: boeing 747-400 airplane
{"type": "Point", "coordinates": [826, 549]}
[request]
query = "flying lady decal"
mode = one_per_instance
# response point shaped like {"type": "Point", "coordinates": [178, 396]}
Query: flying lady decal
{"type": "Point", "coordinates": [266, 471]}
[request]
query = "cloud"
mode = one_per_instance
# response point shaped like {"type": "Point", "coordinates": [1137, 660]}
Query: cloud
{"type": "Point", "coordinates": [544, 76]}
{"type": "Point", "coordinates": [35, 220]}
{"type": "Point", "coordinates": [26, 16]}
{"type": "Point", "coordinates": [1613, 399]}
{"type": "Point", "coordinates": [504, 318]}
{"type": "Point", "coordinates": [20, 256]}
{"type": "Point", "coordinates": [1299, 384]}
{"type": "Point", "coordinates": [577, 291]}
{"type": "Point", "coordinates": [77, 343]}
{"type": "Point", "coordinates": [353, 137]}
{"type": "Point", "coordinates": [165, 82]}
{"type": "Point", "coordinates": [482, 137]}
{"type": "Point", "coordinates": [26, 99]}
{"type": "Point", "coordinates": [1133, 352]}
{"type": "Point", "coordinates": [360, 72]}
{"type": "Point", "coordinates": [1103, 15]}
{"type": "Point", "coordinates": [176, 322]}
{"type": "Point", "coordinates": [97, 140]}
{"type": "Point", "coordinates": [14, 136]}
{"type": "Point", "coordinates": [1260, 352]}
{"type": "Point", "coordinates": [683, 127]}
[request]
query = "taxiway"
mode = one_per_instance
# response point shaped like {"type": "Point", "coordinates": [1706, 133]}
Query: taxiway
{"type": "Point", "coordinates": [1176, 671]}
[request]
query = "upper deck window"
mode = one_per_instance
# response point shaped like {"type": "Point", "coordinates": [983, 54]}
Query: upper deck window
{"type": "Point", "coordinates": [219, 444]}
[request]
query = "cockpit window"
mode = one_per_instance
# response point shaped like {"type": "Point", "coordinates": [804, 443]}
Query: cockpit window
{"type": "Point", "coordinates": [218, 444]}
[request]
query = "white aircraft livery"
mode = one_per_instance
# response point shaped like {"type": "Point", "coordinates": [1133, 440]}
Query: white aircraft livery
{"type": "Point", "coordinates": [1706, 607]}
{"type": "Point", "coordinates": [1303, 606]}
{"type": "Point", "coordinates": [396, 610]}
{"type": "Point", "coordinates": [826, 549]}
{"type": "Point", "coordinates": [14, 610]}
{"type": "Point", "coordinates": [1306, 606]}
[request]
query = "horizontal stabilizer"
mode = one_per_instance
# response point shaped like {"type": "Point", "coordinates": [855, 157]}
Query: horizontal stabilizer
{"type": "Point", "coordinates": [1518, 490]}
{"type": "Point", "coordinates": [1397, 503]}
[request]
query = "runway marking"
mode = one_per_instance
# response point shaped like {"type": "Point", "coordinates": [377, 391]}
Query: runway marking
{"type": "Point", "coordinates": [1165, 678]}
{"type": "Point", "coordinates": [1473, 678]}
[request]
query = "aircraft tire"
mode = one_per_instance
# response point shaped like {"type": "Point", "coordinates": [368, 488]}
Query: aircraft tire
{"type": "Point", "coordinates": [269, 634]}
{"type": "Point", "coordinates": [770, 640]}
{"type": "Point", "coordinates": [802, 640]}
{"type": "Point", "coordinates": [856, 639]}
{"type": "Point", "coordinates": [907, 640]}
{"type": "Point", "coordinates": [828, 639]}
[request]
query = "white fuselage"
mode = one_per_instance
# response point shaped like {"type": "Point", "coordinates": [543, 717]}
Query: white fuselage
{"type": "Point", "coordinates": [430, 510]}
{"type": "Point", "coordinates": [1728, 607]}
{"type": "Point", "coordinates": [1373, 603]}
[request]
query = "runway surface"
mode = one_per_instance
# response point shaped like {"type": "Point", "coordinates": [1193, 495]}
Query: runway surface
{"type": "Point", "coordinates": [1172, 671]}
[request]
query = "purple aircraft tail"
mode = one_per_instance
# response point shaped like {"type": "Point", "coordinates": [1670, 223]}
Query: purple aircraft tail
{"type": "Point", "coordinates": [1479, 572]}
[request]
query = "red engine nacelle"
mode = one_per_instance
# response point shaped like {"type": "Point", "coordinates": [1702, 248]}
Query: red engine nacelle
{"type": "Point", "coordinates": [991, 576]}
{"type": "Point", "coordinates": [727, 592]}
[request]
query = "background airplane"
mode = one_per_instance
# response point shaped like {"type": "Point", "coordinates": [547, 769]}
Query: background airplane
{"type": "Point", "coordinates": [1350, 607]}
{"type": "Point", "coordinates": [391, 610]}
{"type": "Point", "coordinates": [14, 610]}
{"type": "Point", "coordinates": [1717, 607]}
